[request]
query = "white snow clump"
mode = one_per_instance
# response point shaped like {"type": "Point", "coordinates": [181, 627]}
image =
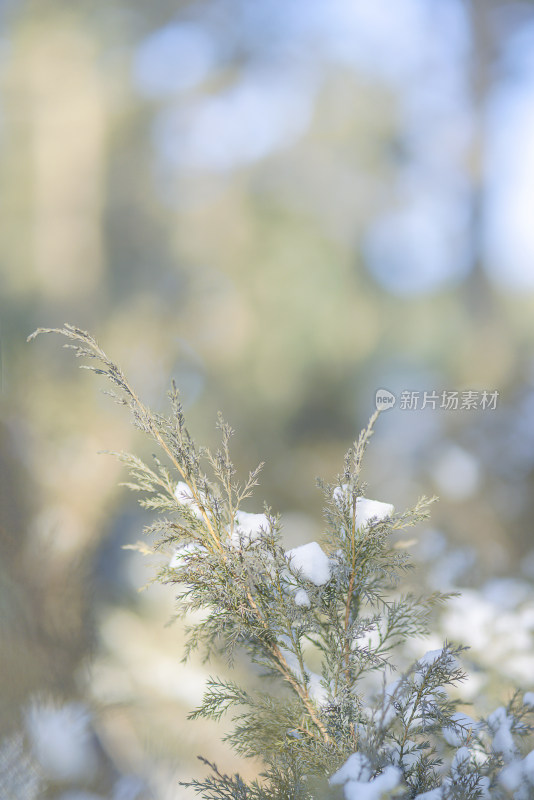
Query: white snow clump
{"type": "Point", "coordinates": [354, 775]}
{"type": "Point", "coordinates": [356, 767]}
{"type": "Point", "coordinates": [366, 510]}
{"type": "Point", "coordinates": [461, 759]}
{"type": "Point", "coordinates": [501, 727]}
{"type": "Point", "coordinates": [517, 773]}
{"type": "Point", "coordinates": [311, 561]}
{"type": "Point", "coordinates": [460, 729]}
{"type": "Point", "coordinates": [62, 741]}
{"type": "Point", "coordinates": [184, 495]}
{"type": "Point", "coordinates": [248, 527]}
{"type": "Point", "coordinates": [302, 598]}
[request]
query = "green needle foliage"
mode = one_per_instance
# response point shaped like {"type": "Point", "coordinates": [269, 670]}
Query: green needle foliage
{"type": "Point", "coordinates": [349, 729]}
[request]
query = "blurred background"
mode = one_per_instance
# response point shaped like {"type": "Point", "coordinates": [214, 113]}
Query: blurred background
{"type": "Point", "coordinates": [285, 206]}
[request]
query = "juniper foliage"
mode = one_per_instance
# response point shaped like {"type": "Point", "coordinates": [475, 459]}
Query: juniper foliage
{"type": "Point", "coordinates": [347, 730]}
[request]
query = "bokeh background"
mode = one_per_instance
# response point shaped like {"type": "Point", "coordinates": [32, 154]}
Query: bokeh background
{"type": "Point", "coordinates": [284, 205]}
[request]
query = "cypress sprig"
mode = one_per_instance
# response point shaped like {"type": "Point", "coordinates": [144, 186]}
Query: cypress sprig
{"type": "Point", "coordinates": [359, 726]}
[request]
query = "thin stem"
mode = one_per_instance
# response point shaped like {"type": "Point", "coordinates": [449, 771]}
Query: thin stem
{"type": "Point", "coordinates": [284, 669]}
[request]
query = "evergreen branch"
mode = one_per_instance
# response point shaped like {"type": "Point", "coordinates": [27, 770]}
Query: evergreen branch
{"type": "Point", "coordinates": [283, 667]}
{"type": "Point", "coordinates": [218, 698]}
{"type": "Point", "coordinates": [344, 603]}
{"type": "Point", "coordinates": [89, 348]}
{"type": "Point", "coordinates": [360, 446]}
{"type": "Point", "coordinates": [225, 787]}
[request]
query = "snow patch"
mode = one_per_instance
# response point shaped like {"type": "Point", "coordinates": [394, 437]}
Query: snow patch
{"type": "Point", "coordinates": [367, 511]}
{"type": "Point", "coordinates": [302, 598]}
{"type": "Point", "coordinates": [430, 658]}
{"type": "Point", "coordinates": [316, 688]}
{"type": "Point", "coordinates": [501, 727]}
{"type": "Point", "coordinates": [356, 767]}
{"type": "Point", "coordinates": [511, 776]}
{"type": "Point", "coordinates": [460, 761]}
{"type": "Point", "coordinates": [517, 772]}
{"type": "Point", "coordinates": [311, 561]}
{"type": "Point", "coordinates": [248, 527]}
{"type": "Point", "coordinates": [528, 767]}
{"type": "Point", "coordinates": [184, 495]}
{"type": "Point", "coordinates": [409, 756]}
{"type": "Point", "coordinates": [388, 780]}
{"type": "Point", "coordinates": [62, 741]}
{"type": "Point", "coordinates": [460, 728]}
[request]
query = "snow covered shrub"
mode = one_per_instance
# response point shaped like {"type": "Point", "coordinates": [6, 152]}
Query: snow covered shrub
{"type": "Point", "coordinates": [356, 725]}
